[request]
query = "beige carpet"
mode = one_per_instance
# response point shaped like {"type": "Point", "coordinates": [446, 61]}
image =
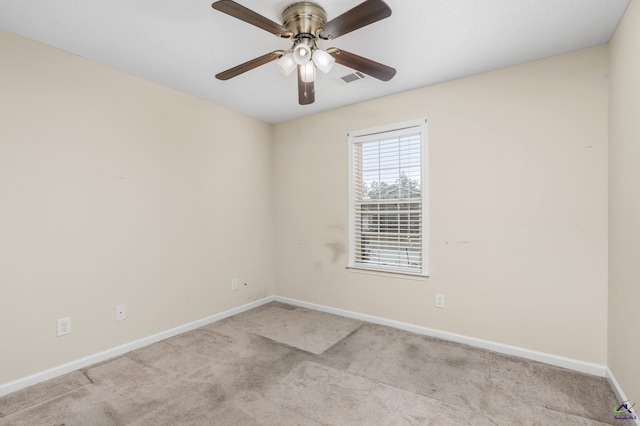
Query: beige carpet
{"type": "Point", "coordinates": [280, 365]}
{"type": "Point", "coordinates": [310, 331]}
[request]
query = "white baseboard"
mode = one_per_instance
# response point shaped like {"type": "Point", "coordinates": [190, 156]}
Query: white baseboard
{"type": "Point", "coordinates": [572, 364]}
{"type": "Point", "coordinates": [127, 347]}
{"type": "Point", "coordinates": [558, 361]}
{"type": "Point", "coordinates": [619, 392]}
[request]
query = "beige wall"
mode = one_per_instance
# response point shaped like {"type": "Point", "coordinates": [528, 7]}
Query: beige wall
{"type": "Point", "coordinates": [116, 190]}
{"type": "Point", "coordinates": [518, 207]}
{"type": "Point", "coordinates": [624, 203]}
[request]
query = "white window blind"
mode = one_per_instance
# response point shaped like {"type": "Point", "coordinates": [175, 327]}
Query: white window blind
{"type": "Point", "coordinates": [387, 205]}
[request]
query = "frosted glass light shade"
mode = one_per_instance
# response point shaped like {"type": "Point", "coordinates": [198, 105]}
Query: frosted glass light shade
{"type": "Point", "coordinates": [323, 60]}
{"type": "Point", "coordinates": [308, 72]}
{"type": "Point", "coordinates": [302, 53]}
{"type": "Point", "coordinates": [286, 64]}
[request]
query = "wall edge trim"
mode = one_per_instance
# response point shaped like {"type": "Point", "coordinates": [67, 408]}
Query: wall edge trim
{"type": "Point", "coordinates": [69, 367]}
{"type": "Point", "coordinates": [546, 358]}
{"type": "Point", "coordinates": [555, 360]}
{"type": "Point", "coordinates": [617, 389]}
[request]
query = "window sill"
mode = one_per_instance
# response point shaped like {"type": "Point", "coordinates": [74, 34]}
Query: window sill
{"type": "Point", "coordinates": [388, 273]}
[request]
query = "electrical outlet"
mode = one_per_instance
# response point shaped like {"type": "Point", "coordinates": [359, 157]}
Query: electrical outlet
{"type": "Point", "coordinates": [234, 284]}
{"type": "Point", "coordinates": [64, 326]}
{"type": "Point", "coordinates": [439, 300]}
{"type": "Point", "coordinates": [121, 312]}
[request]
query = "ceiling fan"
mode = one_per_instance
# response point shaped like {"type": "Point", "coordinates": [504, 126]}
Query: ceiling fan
{"type": "Point", "coordinates": [305, 23]}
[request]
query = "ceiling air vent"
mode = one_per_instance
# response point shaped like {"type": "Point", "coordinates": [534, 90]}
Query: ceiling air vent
{"type": "Point", "coordinates": [350, 78]}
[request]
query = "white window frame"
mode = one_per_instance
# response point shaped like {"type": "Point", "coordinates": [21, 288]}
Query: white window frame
{"type": "Point", "coordinates": [360, 136]}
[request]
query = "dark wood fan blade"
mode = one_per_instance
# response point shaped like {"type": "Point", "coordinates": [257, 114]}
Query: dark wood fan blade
{"type": "Point", "coordinates": [362, 15]}
{"type": "Point", "coordinates": [249, 65]}
{"type": "Point", "coordinates": [367, 66]}
{"type": "Point", "coordinates": [306, 91]}
{"type": "Point", "coordinates": [247, 15]}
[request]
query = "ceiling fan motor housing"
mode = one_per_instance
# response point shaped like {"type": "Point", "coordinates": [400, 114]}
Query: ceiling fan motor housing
{"type": "Point", "coordinates": [303, 19]}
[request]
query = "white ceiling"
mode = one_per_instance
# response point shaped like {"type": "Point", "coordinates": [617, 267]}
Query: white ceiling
{"type": "Point", "coordinates": [183, 44]}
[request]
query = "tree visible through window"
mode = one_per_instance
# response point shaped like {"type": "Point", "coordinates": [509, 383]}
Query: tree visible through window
{"type": "Point", "coordinates": [386, 199]}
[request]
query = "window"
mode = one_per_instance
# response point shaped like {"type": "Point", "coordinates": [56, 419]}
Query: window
{"type": "Point", "coordinates": [387, 199]}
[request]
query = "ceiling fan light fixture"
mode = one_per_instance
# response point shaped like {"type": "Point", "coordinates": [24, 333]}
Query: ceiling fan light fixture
{"type": "Point", "coordinates": [323, 60]}
{"type": "Point", "coordinates": [303, 23]}
{"type": "Point", "coordinates": [302, 52]}
{"type": "Point", "coordinates": [308, 72]}
{"type": "Point", "coordinates": [286, 64]}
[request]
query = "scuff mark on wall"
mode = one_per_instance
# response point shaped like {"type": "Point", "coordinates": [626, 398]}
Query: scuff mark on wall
{"type": "Point", "coordinates": [108, 177]}
{"type": "Point", "coordinates": [256, 296]}
{"type": "Point", "coordinates": [336, 227]}
{"type": "Point", "coordinates": [338, 249]}
{"type": "Point", "coordinates": [336, 241]}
